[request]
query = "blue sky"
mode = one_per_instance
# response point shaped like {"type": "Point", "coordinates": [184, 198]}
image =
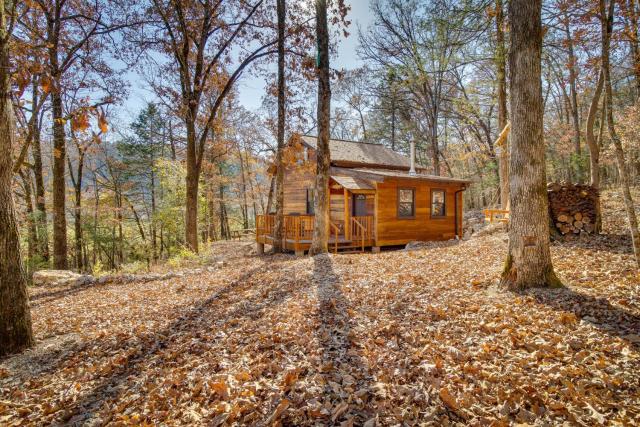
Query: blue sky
{"type": "Point", "coordinates": [250, 88]}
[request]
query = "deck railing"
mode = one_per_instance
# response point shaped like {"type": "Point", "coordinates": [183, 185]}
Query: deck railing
{"type": "Point", "coordinates": [360, 229]}
{"type": "Point", "coordinates": [299, 228]}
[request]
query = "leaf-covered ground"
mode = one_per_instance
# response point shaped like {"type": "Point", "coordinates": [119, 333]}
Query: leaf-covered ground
{"type": "Point", "coordinates": [420, 337]}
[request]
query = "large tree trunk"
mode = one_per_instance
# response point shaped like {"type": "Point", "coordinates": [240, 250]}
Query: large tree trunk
{"type": "Point", "coordinates": [36, 151]}
{"type": "Point", "coordinates": [191, 213]}
{"type": "Point", "coordinates": [607, 28]}
{"type": "Point", "coordinates": [59, 184]}
{"type": "Point", "coordinates": [15, 319]}
{"type": "Point", "coordinates": [594, 148]}
{"type": "Point", "coordinates": [279, 223]}
{"type": "Point", "coordinates": [320, 241]}
{"type": "Point", "coordinates": [503, 158]}
{"type": "Point", "coordinates": [528, 261]}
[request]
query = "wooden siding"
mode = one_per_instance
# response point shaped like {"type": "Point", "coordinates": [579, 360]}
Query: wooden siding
{"type": "Point", "coordinates": [391, 230]}
{"type": "Point", "coordinates": [296, 181]}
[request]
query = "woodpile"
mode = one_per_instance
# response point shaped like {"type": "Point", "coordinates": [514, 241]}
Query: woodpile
{"type": "Point", "coordinates": [572, 207]}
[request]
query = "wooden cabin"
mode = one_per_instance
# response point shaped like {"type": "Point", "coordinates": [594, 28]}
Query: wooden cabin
{"type": "Point", "coordinates": [376, 199]}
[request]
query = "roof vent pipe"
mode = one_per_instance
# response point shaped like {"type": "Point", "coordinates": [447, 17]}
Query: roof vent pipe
{"type": "Point", "coordinates": [412, 169]}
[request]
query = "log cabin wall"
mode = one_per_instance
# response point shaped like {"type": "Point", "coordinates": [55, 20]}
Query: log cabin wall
{"type": "Point", "coordinates": [391, 230]}
{"type": "Point", "coordinates": [296, 181]}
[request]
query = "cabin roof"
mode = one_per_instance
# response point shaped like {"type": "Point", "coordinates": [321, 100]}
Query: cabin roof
{"type": "Point", "coordinates": [374, 174]}
{"type": "Point", "coordinates": [353, 182]}
{"type": "Point", "coordinates": [361, 153]}
{"type": "Point", "coordinates": [407, 175]}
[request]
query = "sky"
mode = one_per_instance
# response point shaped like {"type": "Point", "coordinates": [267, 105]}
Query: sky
{"type": "Point", "coordinates": [251, 88]}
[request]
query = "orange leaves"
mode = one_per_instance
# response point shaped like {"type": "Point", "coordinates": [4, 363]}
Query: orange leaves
{"type": "Point", "coordinates": [102, 122]}
{"type": "Point", "coordinates": [46, 84]}
{"type": "Point", "coordinates": [382, 339]}
{"type": "Point", "coordinates": [81, 121]}
{"type": "Point", "coordinates": [448, 399]}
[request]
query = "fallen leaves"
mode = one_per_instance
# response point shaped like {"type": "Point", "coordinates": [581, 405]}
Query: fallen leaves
{"type": "Point", "coordinates": [384, 339]}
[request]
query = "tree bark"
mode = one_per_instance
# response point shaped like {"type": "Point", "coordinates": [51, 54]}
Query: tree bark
{"type": "Point", "coordinates": [77, 212]}
{"type": "Point", "coordinates": [192, 181]}
{"type": "Point", "coordinates": [321, 203]}
{"type": "Point", "coordinates": [59, 184]}
{"type": "Point", "coordinates": [32, 240]}
{"type": "Point", "coordinates": [15, 318]}
{"type": "Point", "coordinates": [633, 9]}
{"type": "Point", "coordinates": [594, 149]}
{"type": "Point", "coordinates": [279, 222]}
{"type": "Point", "coordinates": [573, 76]}
{"type": "Point", "coordinates": [607, 29]}
{"type": "Point", "coordinates": [503, 158]}
{"type": "Point", "coordinates": [528, 261]}
{"type": "Point", "coordinates": [36, 151]}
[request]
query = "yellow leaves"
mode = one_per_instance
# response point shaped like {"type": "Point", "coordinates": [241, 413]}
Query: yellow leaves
{"type": "Point", "coordinates": [57, 153]}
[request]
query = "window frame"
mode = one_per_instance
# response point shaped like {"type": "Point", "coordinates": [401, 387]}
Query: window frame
{"type": "Point", "coordinates": [413, 203]}
{"type": "Point", "coordinates": [309, 209]}
{"type": "Point", "coordinates": [444, 203]}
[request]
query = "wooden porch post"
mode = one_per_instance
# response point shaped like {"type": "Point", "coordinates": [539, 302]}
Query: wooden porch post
{"type": "Point", "coordinates": [347, 222]}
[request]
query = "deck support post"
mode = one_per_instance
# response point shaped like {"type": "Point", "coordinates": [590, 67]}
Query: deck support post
{"type": "Point", "coordinates": [260, 248]}
{"type": "Point", "coordinates": [299, 253]}
{"type": "Point", "coordinates": [375, 249]}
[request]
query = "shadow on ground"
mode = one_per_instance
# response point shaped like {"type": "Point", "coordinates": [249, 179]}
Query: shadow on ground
{"type": "Point", "coordinates": [339, 352]}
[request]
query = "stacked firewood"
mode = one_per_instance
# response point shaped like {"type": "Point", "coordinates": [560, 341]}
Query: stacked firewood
{"type": "Point", "coordinates": [572, 207]}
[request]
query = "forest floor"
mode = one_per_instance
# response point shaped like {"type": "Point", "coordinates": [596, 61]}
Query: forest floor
{"type": "Point", "coordinates": [415, 337]}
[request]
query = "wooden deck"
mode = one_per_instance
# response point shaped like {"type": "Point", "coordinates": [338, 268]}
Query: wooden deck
{"type": "Point", "coordinates": [298, 233]}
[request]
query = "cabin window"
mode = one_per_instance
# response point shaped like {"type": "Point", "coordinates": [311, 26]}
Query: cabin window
{"type": "Point", "coordinates": [406, 203]}
{"type": "Point", "coordinates": [438, 206]}
{"type": "Point", "coordinates": [311, 197]}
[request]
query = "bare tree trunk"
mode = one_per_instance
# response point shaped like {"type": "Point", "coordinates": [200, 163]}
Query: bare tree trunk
{"type": "Point", "coordinates": [211, 212]}
{"type": "Point", "coordinates": [320, 241]}
{"type": "Point", "coordinates": [59, 184]}
{"type": "Point", "coordinates": [32, 240]}
{"type": "Point", "coordinates": [573, 76]}
{"type": "Point", "coordinates": [36, 151]}
{"type": "Point", "coordinates": [78, 214]}
{"type": "Point", "coordinates": [243, 187]}
{"type": "Point", "coordinates": [503, 158]}
{"type": "Point", "coordinates": [594, 148]}
{"type": "Point", "coordinates": [191, 211]}
{"type": "Point", "coordinates": [272, 190]}
{"type": "Point", "coordinates": [15, 319]}
{"type": "Point", "coordinates": [633, 9]}
{"type": "Point", "coordinates": [154, 231]}
{"type": "Point", "coordinates": [607, 28]}
{"type": "Point", "coordinates": [279, 184]}
{"type": "Point", "coordinates": [528, 261]}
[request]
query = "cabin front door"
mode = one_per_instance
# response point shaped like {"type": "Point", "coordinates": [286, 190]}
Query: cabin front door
{"type": "Point", "coordinates": [359, 205]}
